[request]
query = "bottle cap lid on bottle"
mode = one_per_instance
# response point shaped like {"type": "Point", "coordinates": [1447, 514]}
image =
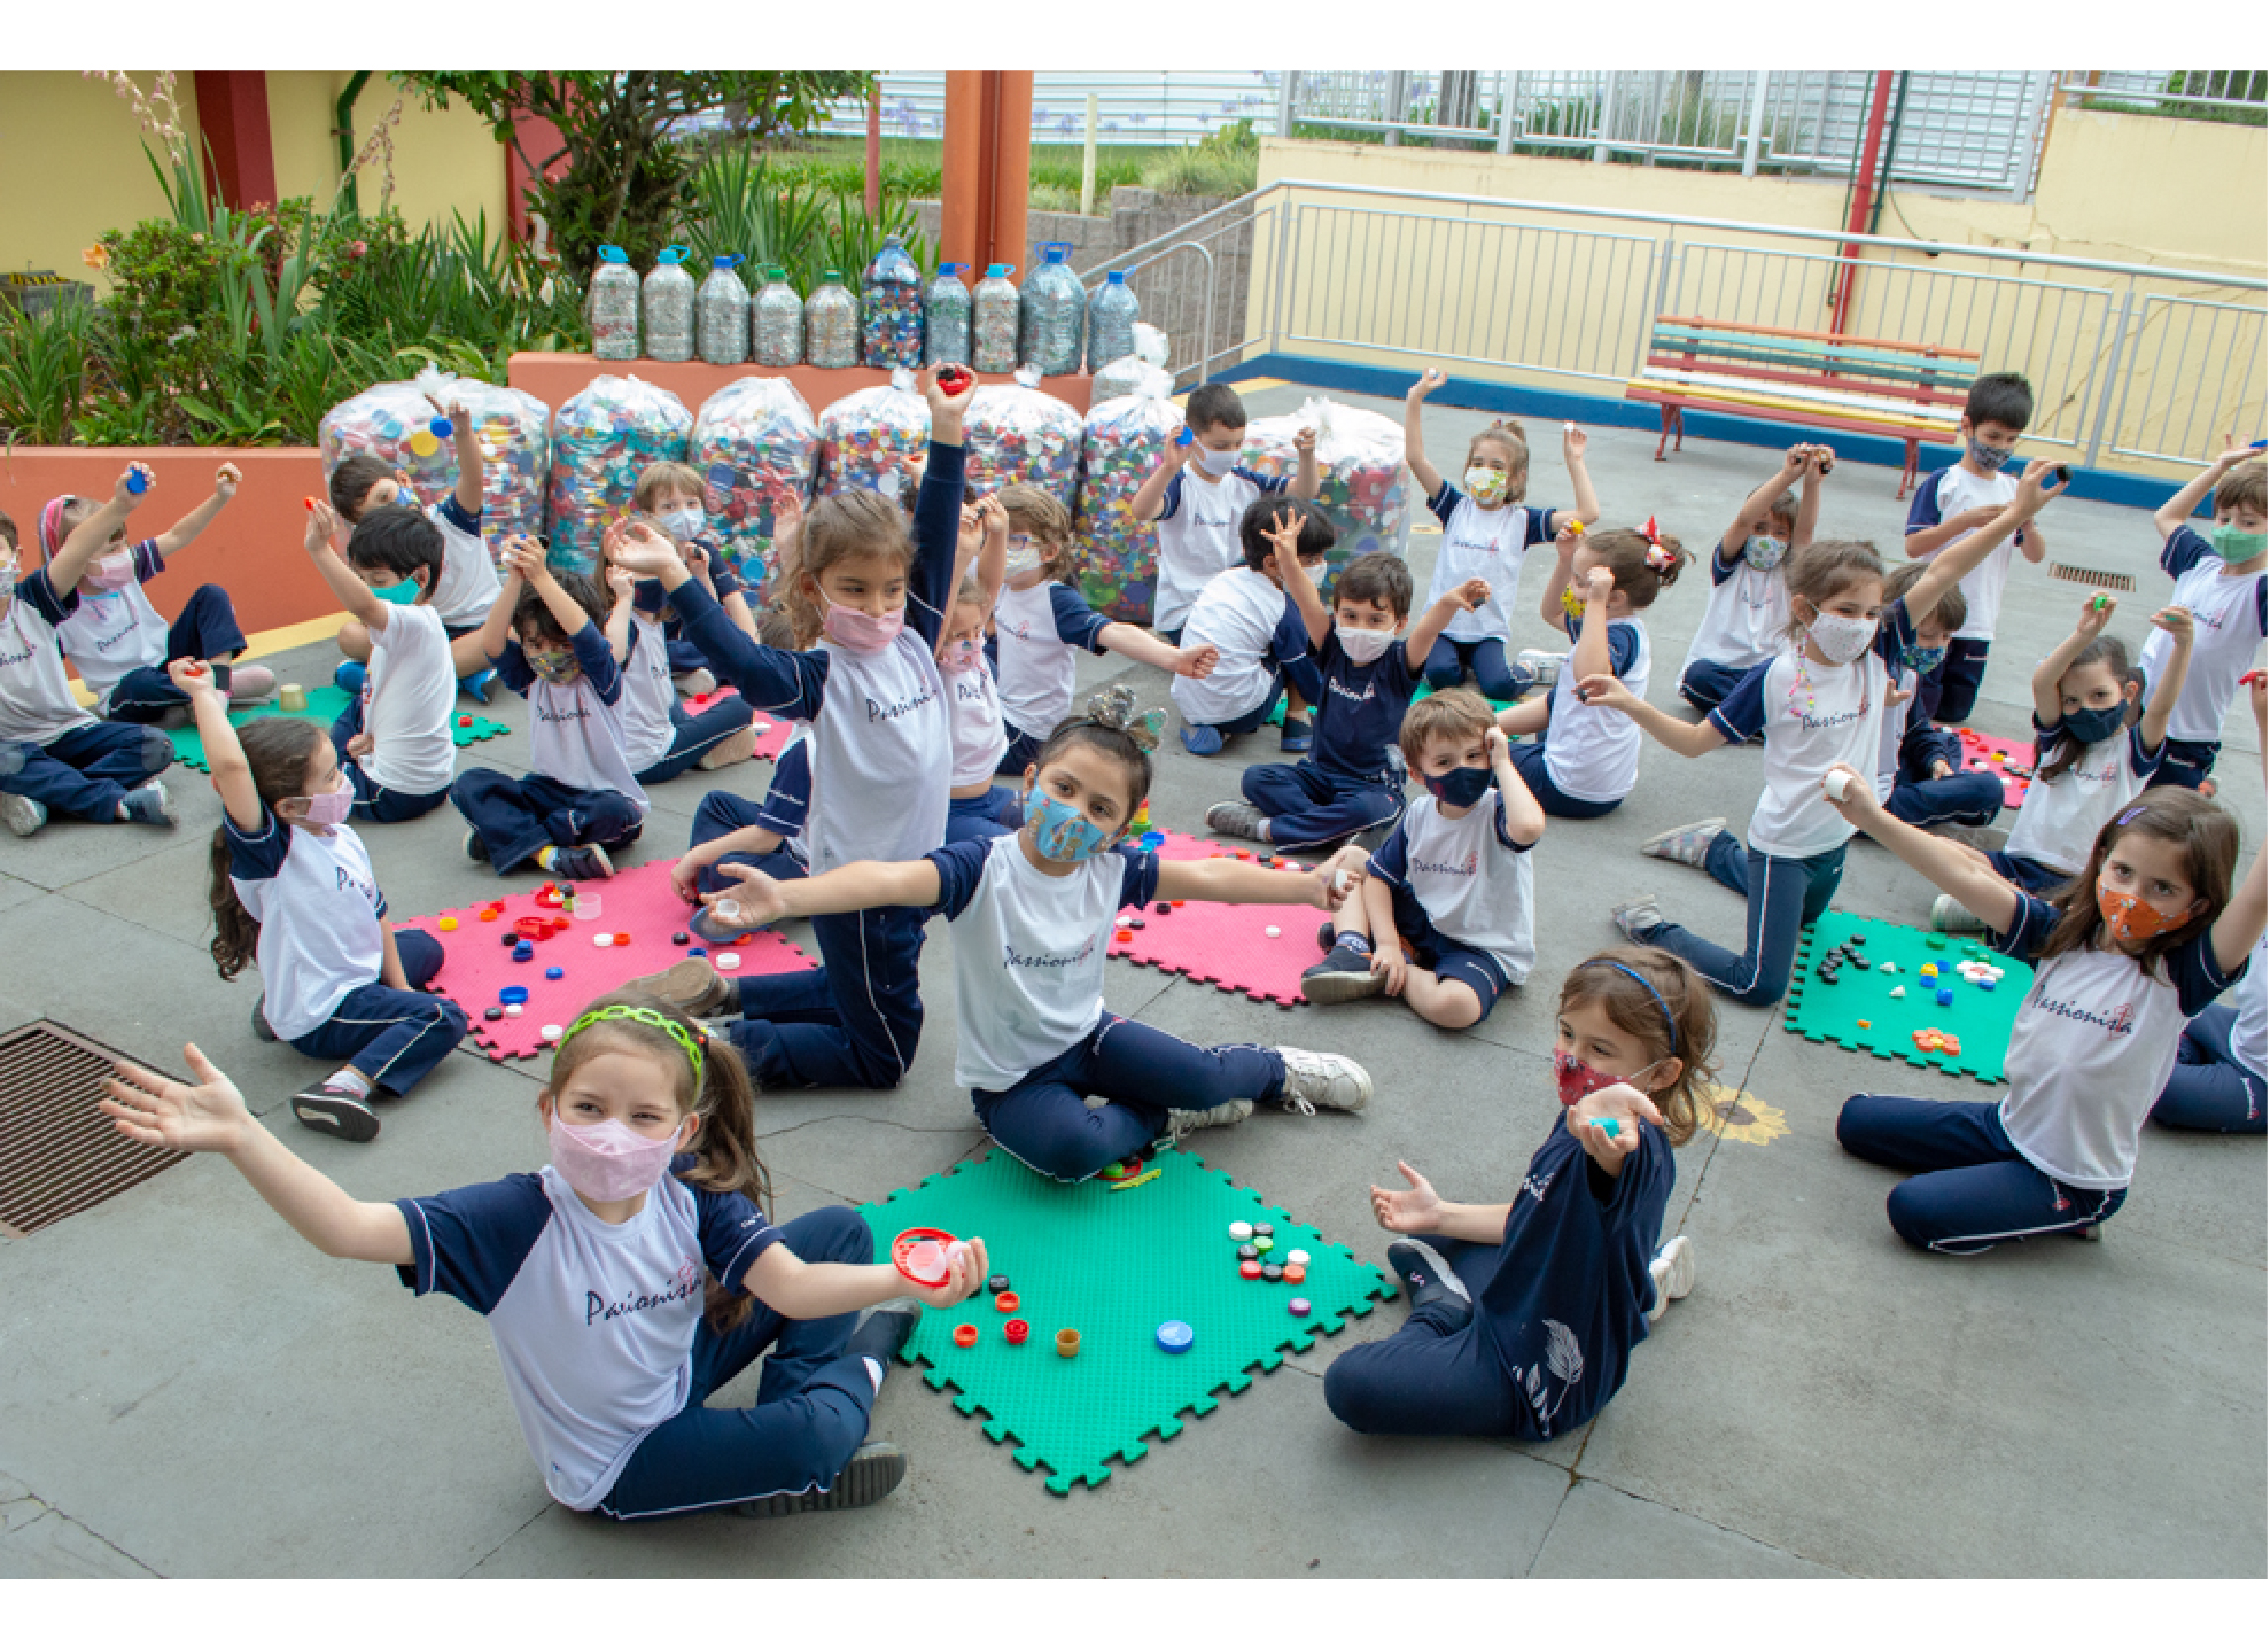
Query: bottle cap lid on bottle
{"type": "Point", "coordinates": [671, 254]}
{"type": "Point", "coordinates": [1117, 277]}
{"type": "Point", "coordinates": [1057, 250]}
{"type": "Point", "coordinates": [831, 275]}
{"type": "Point", "coordinates": [995, 269]}
{"type": "Point", "coordinates": [613, 255]}
{"type": "Point", "coordinates": [728, 260]}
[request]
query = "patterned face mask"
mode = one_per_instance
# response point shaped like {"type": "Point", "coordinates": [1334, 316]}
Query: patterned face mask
{"type": "Point", "coordinates": [2132, 920]}
{"type": "Point", "coordinates": [1486, 484]}
{"type": "Point", "coordinates": [1060, 831]}
{"type": "Point", "coordinates": [1575, 1079]}
{"type": "Point", "coordinates": [1989, 460]}
{"type": "Point", "coordinates": [1765, 552]}
{"type": "Point", "coordinates": [1841, 639]}
{"type": "Point", "coordinates": [962, 655]}
{"type": "Point", "coordinates": [1922, 660]}
{"type": "Point", "coordinates": [553, 665]}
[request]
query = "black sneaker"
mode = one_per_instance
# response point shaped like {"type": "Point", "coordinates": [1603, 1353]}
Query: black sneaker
{"type": "Point", "coordinates": [871, 1472]}
{"type": "Point", "coordinates": [338, 1112]}
{"type": "Point", "coordinates": [260, 1027]}
{"type": "Point", "coordinates": [885, 1331]}
{"type": "Point", "coordinates": [589, 864]}
{"type": "Point", "coordinates": [1342, 977]}
{"type": "Point", "coordinates": [476, 850]}
{"type": "Point", "coordinates": [1426, 1277]}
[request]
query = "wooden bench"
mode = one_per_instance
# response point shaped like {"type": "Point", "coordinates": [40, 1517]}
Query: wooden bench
{"type": "Point", "coordinates": [1909, 392]}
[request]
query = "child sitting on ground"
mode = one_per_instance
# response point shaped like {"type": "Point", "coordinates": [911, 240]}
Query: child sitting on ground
{"type": "Point", "coordinates": [1952, 503]}
{"type": "Point", "coordinates": [1065, 1085]}
{"type": "Point", "coordinates": [1746, 619]}
{"type": "Point", "coordinates": [662, 738]}
{"type": "Point", "coordinates": [2219, 1081]}
{"type": "Point", "coordinates": [121, 643]}
{"type": "Point", "coordinates": [292, 889]}
{"type": "Point", "coordinates": [1349, 784]}
{"type": "Point", "coordinates": [362, 482]}
{"type": "Point", "coordinates": [672, 495]}
{"type": "Point", "coordinates": [1522, 1320]}
{"type": "Point", "coordinates": [1039, 620]}
{"type": "Point", "coordinates": [977, 806]}
{"type": "Point", "coordinates": [1447, 918]}
{"type": "Point", "coordinates": [1919, 767]}
{"type": "Point", "coordinates": [1485, 533]}
{"type": "Point", "coordinates": [53, 754]}
{"type": "Point", "coordinates": [1586, 758]}
{"type": "Point", "coordinates": [2222, 578]}
{"type": "Point", "coordinates": [582, 799]}
{"type": "Point", "coordinates": [1257, 633]}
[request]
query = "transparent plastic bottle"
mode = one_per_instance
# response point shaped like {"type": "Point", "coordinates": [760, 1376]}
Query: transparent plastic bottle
{"type": "Point", "coordinates": [1110, 318]}
{"type": "Point", "coordinates": [948, 317]}
{"type": "Point", "coordinates": [1053, 313]}
{"type": "Point", "coordinates": [613, 305]}
{"type": "Point", "coordinates": [831, 323]}
{"type": "Point", "coordinates": [889, 298]}
{"type": "Point", "coordinates": [721, 314]}
{"type": "Point", "coordinates": [669, 308]}
{"type": "Point", "coordinates": [995, 317]}
{"type": "Point", "coordinates": [776, 321]}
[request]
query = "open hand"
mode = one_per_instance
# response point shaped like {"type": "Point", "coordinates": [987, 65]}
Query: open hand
{"type": "Point", "coordinates": [157, 1110]}
{"type": "Point", "coordinates": [1429, 381]}
{"type": "Point", "coordinates": [759, 898]}
{"type": "Point", "coordinates": [1627, 1106]}
{"type": "Point", "coordinates": [1412, 1211]}
{"type": "Point", "coordinates": [1575, 441]}
{"type": "Point", "coordinates": [644, 551]}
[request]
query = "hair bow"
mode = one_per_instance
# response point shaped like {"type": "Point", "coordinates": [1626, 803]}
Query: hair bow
{"type": "Point", "coordinates": [1658, 556]}
{"type": "Point", "coordinates": [1114, 708]}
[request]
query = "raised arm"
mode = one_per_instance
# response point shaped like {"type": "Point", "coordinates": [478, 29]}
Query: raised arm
{"type": "Point", "coordinates": [1552, 606]}
{"type": "Point", "coordinates": [472, 463]}
{"type": "Point", "coordinates": [86, 540]}
{"type": "Point", "coordinates": [225, 759]}
{"type": "Point", "coordinates": [1523, 813]}
{"type": "Point", "coordinates": [354, 594]}
{"type": "Point", "coordinates": [1131, 642]}
{"type": "Point", "coordinates": [1956, 565]}
{"type": "Point", "coordinates": [1150, 498]}
{"type": "Point", "coordinates": [2177, 624]}
{"type": "Point", "coordinates": [1758, 504]}
{"type": "Point", "coordinates": [1688, 738]}
{"type": "Point", "coordinates": [1816, 461]}
{"type": "Point", "coordinates": [623, 584]}
{"type": "Point", "coordinates": [1576, 446]}
{"type": "Point", "coordinates": [937, 510]}
{"type": "Point", "coordinates": [1413, 430]}
{"type": "Point", "coordinates": [561, 605]}
{"type": "Point", "coordinates": [2047, 681]}
{"type": "Point", "coordinates": [176, 538]}
{"type": "Point", "coordinates": [1594, 653]}
{"type": "Point", "coordinates": [2183, 505]}
{"type": "Point", "coordinates": [2236, 930]}
{"type": "Point", "coordinates": [1957, 870]}
{"type": "Point", "coordinates": [803, 1290]}
{"type": "Point", "coordinates": [496, 630]}
{"type": "Point", "coordinates": [992, 550]}
{"type": "Point", "coordinates": [1309, 481]}
{"type": "Point", "coordinates": [1282, 536]}
{"type": "Point", "coordinates": [1435, 620]}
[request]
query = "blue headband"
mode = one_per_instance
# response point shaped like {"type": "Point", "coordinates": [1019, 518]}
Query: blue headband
{"type": "Point", "coordinates": [1652, 993]}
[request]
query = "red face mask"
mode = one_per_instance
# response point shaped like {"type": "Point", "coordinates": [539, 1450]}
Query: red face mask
{"type": "Point", "coordinates": [1577, 1080]}
{"type": "Point", "coordinates": [2132, 920]}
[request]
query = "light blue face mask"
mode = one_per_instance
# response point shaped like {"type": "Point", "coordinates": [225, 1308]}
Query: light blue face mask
{"type": "Point", "coordinates": [1060, 831]}
{"type": "Point", "coordinates": [1765, 552]}
{"type": "Point", "coordinates": [403, 595]}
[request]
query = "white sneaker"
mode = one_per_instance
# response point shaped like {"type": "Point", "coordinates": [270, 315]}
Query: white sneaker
{"type": "Point", "coordinates": [1948, 916]}
{"type": "Point", "coordinates": [1687, 845]}
{"type": "Point", "coordinates": [695, 683]}
{"type": "Point", "coordinates": [1331, 1081]}
{"type": "Point", "coordinates": [1638, 917]}
{"type": "Point", "coordinates": [1228, 1112]}
{"type": "Point", "coordinates": [737, 746]}
{"type": "Point", "coordinates": [1672, 1275]}
{"type": "Point", "coordinates": [22, 814]}
{"type": "Point", "coordinates": [1545, 667]}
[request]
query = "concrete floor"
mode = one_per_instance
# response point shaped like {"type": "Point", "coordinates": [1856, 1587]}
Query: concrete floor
{"type": "Point", "coordinates": [189, 1389]}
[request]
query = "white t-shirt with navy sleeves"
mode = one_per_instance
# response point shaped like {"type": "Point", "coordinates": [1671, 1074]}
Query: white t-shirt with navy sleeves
{"type": "Point", "coordinates": [2232, 615]}
{"type": "Point", "coordinates": [1198, 536]}
{"type": "Point", "coordinates": [115, 632]}
{"type": "Point", "coordinates": [468, 585]}
{"type": "Point", "coordinates": [1038, 630]}
{"type": "Point", "coordinates": [1948, 492]}
{"type": "Point", "coordinates": [575, 729]}
{"type": "Point", "coordinates": [593, 1324]}
{"type": "Point", "coordinates": [1591, 750]}
{"type": "Point", "coordinates": [1253, 623]}
{"type": "Point", "coordinates": [1472, 878]}
{"type": "Point", "coordinates": [35, 703]}
{"type": "Point", "coordinates": [2061, 816]}
{"type": "Point", "coordinates": [409, 694]}
{"type": "Point", "coordinates": [320, 911]}
{"type": "Point", "coordinates": [1477, 543]}
{"type": "Point", "coordinates": [647, 694]}
{"type": "Point", "coordinates": [1746, 620]}
{"type": "Point", "coordinates": [980, 734]}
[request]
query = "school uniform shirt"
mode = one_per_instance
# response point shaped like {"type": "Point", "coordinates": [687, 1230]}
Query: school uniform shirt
{"type": "Point", "coordinates": [2231, 616]}
{"type": "Point", "coordinates": [1812, 716]}
{"type": "Point", "coordinates": [1257, 626]}
{"type": "Point", "coordinates": [1912, 741]}
{"type": "Point", "coordinates": [2248, 1038]}
{"type": "Point", "coordinates": [1198, 536]}
{"type": "Point", "coordinates": [317, 904]}
{"type": "Point", "coordinates": [787, 806]}
{"type": "Point", "coordinates": [1470, 875]}
{"type": "Point", "coordinates": [1360, 716]}
{"type": "Point", "coordinates": [1950, 492]}
{"type": "Point", "coordinates": [2061, 816]}
{"type": "Point", "coordinates": [594, 1324]}
{"type": "Point", "coordinates": [1746, 620]}
{"type": "Point", "coordinates": [980, 734]}
{"type": "Point", "coordinates": [1567, 1300]}
{"type": "Point", "coordinates": [1028, 951]}
{"type": "Point", "coordinates": [575, 729]}
{"type": "Point", "coordinates": [647, 694]}
{"type": "Point", "coordinates": [468, 586]}
{"type": "Point", "coordinates": [1477, 543]}
{"type": "Point", "coordinates": [1589, 751]}
{"type": "Point", "coordinates": [1037, 629]}
{"type": "Point", "coordinates": [407, 697]}
{"type": "Point", "coordinates": [35, 703]}
{"type": "Point", "coordinates": [2093, 1043]}
{"type": "Point", "coordinates": [115, 632]}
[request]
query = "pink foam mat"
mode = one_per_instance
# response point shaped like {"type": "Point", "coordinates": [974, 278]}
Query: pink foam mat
{"type": "Point", "coordinates": [772, 731]}
{"type": "Point", "coordinates": [476, 964]}
{"type": "Point", "coordinates": [2015, 766]}
{"type": "Point", "coordinates": [1225, 945]}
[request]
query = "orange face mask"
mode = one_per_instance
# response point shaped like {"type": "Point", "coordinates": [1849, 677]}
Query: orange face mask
{"type": "Point", "coordinates": [2132, 920]}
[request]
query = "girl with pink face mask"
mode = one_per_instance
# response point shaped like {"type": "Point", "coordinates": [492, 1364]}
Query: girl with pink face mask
{"type": "Point", "coordinates": [630, 1278]}
{"type": "Point", "coordinates": [1523, 1315]}
{"type": "Point", "coordinates": [292, 890]}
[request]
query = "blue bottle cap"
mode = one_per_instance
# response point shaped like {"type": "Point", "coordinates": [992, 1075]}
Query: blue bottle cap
{"type": "Point", "coordinates": [672, 255]}
{"type": "Point", "coordinates": [512, 993]}
{"type": "Point", "coordinates": [1117, 277]}
{"type": "Point", "coordinates": [137, 483]}
{"type": "Point", "coordinates": [613, 255]}
{"type": "Point", "coordinates": [1607, 1126]}
{"type": "Point", "coordinates": [731, 261]}
{"type": "Point", "coordinates": [1185, 437]}
{"type": "Point", "coordinates": [1176, 1336]}
{"type": "Point", "coordinates": [555, 973]}
{"type": "Point", "coordinates": [442, 427]}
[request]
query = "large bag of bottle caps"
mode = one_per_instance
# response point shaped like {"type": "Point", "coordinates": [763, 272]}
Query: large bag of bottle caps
{"type": "Point", "coordinates": [874, 433]}
{"type": "Point", "coordinates": [1019, 433]}
{"type": "Point", "coordinates": [1365, 487]}
{"type": "Point", "coordinates": [394, 422]}
{"type": "Point", "coordinates": [1123, 444]}
{"type": "Point", "coordinates": [601, 439]}
{"type": "Point", "coordinates": [755, 443]}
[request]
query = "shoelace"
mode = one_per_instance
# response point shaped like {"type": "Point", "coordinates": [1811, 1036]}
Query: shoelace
{"type": "Point", "coordinates": [1300, 1103]}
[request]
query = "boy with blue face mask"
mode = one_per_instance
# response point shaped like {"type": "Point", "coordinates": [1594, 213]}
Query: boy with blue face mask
{"type": "Point", "coordinates": [2220, 576]}
{"type": "Point", "coordinates": [1748, 614]}
{"type": "Point", "coordinates": [1919, 773]}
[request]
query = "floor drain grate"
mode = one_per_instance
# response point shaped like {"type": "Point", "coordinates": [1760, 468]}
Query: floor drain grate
{"type": "Point", "coordinates": [2090, 576]}
{"type": "Point", "coordinates": [59, 1155]}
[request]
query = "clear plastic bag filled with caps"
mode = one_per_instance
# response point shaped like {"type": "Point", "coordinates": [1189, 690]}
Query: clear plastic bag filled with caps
{"type": "Point", "coordinates": [776, 322]}
{"type": "Point", "coordinates": [612, 306]}
{"type": "Point", "coordinates": [890, 303]}
{"type": "Point", "coordinates": [669, 307]}
{"type": "Point", "coordinates": [1364, 484]}
{"type": "Point", "coordinates": [754, 443]}
{"type": "Point", "coordinates": [1019, 433]}
{"type": "Point", "coordinates": [874, 433]}
{"type": "Point", "coordinates": [994, 320]}
{"type": "Point", "coordinates": [1052, 313]}
{"type": "Point", "coordinates": [395, 424]}
{"type": "Point", "coordinates": [830, 323]}
{"type": "Point", "coordinates": [721, 314]}
{"type": "Point", "coordinates": [1110, 316]}
{"type": "Point", "coordinates": [1130, 376]}
{"type": "Point", "coordinates": [1123, 444]}
{"type": "Point", "coordinates": [947, 320]}
{"type": "Point", "coordinates": [601, 439]}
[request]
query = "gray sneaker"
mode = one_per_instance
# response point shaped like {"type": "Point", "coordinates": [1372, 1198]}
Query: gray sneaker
{"type": "Point", "coordinates": [871, 1472]}
{"type": "Point", "coordinates": [1687, 844]}
{"type": "Point", "coordinates": [260, 1027]}
{"type": "Point", "coordinates": [1426, 1277]}
{"type": "Point", "coordinates": [1948, 916]}
{"type": "Point", "coordinates": [22, 814]}
{"type": "Point", "coordinates": [1638, 917]}
{"type": "Point", "coordinates": [147, 803]}
{"type": "Point", "coordinates": [1227, 1112]}
{"type": "Point", "coordinates": [1341, 977]}
{"type": "Point", "coordinates": [1234, 819]}
{"type": "Point", "coordinates": [694, 986]}
{"type": "Point", "coordinates": [1331, 1081]}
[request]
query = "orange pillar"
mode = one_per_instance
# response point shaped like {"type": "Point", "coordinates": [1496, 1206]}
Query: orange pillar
{"type": "Point", "coordinates": [987, 167]}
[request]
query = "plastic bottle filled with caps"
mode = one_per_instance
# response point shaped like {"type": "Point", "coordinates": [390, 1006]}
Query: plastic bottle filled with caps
{"type": "Point", "coordinates": [776, 322]}
{"type": "Point", "coordinates": [669, 308]}
{"type": "Point", "coordinates": [889, 299]}
{"type": "Point", "coordinates": [830, 323]}
{"type": "Point", "coordinates": [1110, 318]}
{"type": "Point", "coordinates": [994, 320]}
{"type": "Point", "coordinates": [613, 307]}
{"type": "Point", "coordinates": [947, 320]}
{"type": "Point", "coordinates": [721, 314]}
{"type": "Point", "coordinates": [1053, 313]}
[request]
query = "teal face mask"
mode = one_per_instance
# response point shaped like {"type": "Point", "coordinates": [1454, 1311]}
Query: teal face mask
{"type": "Point", "coordinates": [403, 595]}
{"type": "Point", "coordinates": [2233, 545]}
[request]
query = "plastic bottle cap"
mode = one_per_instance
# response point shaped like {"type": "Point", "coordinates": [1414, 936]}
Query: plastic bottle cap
{"type": "Point", "coordinates": [613, 255]}
{"type": "Point", "coordinates": [136, 482]}
{"type": "Point", "coordinates": [552, 1033]}
{"type": "Point", "coordinates": [671, 254]}
{"type": "Point", "coordinates": [1176, 1336]}
{"type": "Point", "coordinates": [1117, 277]}
{"type": "Point", "coordinates": [727, 960]}
{"type": "Point", "coordinates": [728, 260]}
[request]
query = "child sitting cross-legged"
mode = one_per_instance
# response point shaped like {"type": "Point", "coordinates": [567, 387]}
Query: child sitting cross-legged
{"type": "Point", "coordinates": [1447, 918]}
{"type": "Point", "coordinates": [662, 737]}
{"type": "Point", "coordinates": [2222, 576]}
{"type": "Point", "coordinates": [1746, 619]}
{"type": "Point", "coordinates": [1919, 767]}
{"type": "Point", "coordinates": [1257, 633]}
{"type": "Point", "coordinates": [1065, 1085]}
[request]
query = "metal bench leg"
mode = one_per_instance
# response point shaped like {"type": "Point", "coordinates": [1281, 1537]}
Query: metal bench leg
{"type": "Point", "coordinates": [1670, 415]}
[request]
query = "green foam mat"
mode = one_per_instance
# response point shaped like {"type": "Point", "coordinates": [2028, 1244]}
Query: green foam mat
{"type": "Point", "coordinates": [1113, 1264]}
{"type": "Point", "coordinates": [1980, 1020]}
{"type": "Point", "coordinates": [324, 705]}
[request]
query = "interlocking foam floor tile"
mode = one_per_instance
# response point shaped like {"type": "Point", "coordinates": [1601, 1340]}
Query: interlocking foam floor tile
{"type": "Point", "coordinates": [1981, 1020]}
{"type": "Point", "coordinates": [1112, 1265]}
{"type": "Point", "coordinates": [1978, 751]}
{"type": "Point", "coordinates": [638, 903]}
{"type": "Point", "coordinates": [771, 732]}
{"type": "Point", "coordinates": [1224, 945]}
{"type": "Point", "coordinates": [324, 705]}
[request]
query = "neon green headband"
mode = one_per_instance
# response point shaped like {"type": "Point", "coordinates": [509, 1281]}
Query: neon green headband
{"type": "Point", "coordinates": [660, 1021]}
